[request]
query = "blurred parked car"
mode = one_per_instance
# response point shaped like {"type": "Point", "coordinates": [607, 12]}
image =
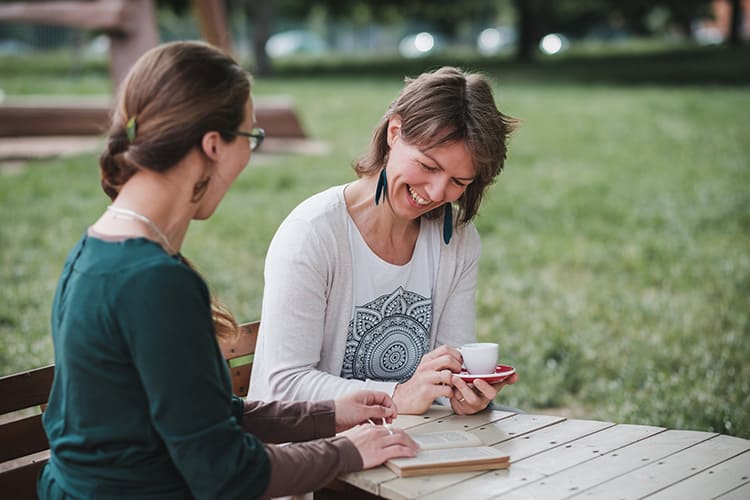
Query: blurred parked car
{"type": "Point", "coordinates": [295, 42]}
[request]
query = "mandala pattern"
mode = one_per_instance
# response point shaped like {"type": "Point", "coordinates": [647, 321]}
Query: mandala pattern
{"type": "Point", "coordinates": [388, 337]}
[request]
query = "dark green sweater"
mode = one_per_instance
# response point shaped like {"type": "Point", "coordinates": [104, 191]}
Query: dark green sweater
{"type": "Point", "coordinates": [141, 403]}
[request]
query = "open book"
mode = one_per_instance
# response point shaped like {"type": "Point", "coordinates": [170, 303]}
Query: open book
{"type": "Point", "coordinates": [450, 451]}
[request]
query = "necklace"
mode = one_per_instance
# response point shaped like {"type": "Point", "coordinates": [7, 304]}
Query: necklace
{"type": "Point", "coordinates": [120, 213]}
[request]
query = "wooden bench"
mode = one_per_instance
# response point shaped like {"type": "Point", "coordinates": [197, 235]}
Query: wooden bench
{"type": "Point", "coordinates": [24, 448]}
{"type": "Point", "coordinates": [39, 117]}
{"type": "Point", "coordinates": [132, 29]}
{"type": "Point", "coordinates": [23, 444]}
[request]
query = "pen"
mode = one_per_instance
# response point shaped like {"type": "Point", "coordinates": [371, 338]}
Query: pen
{"type": "Point", "coordinates": [388, 427]}
{"type": "Point", "coordinates": [385, 424]}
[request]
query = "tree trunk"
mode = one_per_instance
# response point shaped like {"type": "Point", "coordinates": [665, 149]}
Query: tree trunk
{"type": "Point", "coordinates": [213, 22]}
{"type": "Point", "coordinates": [526, 30]}
{"type": "Point", "coordinates": [260, 15]}
{"type": "Point", "coordinates": [735, 25]}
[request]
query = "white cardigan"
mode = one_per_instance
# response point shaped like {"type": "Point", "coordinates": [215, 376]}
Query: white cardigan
{"type": "Point", "coordinates": [307, 302]}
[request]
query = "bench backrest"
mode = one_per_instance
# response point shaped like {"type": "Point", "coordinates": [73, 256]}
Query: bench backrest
{"type": "Point", "coordinates": [23, 444]}
{"type": "Point", "coordinates": [239, 355]}
{"type": "Point", "coordinates": [24, 448]}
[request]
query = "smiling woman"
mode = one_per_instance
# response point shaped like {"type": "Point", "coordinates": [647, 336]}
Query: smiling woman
{"type": "Point", "coordinates": [371, 284]}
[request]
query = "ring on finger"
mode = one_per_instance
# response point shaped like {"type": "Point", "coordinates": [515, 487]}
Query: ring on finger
{"type": "Point", "coordinates": [462, 400]}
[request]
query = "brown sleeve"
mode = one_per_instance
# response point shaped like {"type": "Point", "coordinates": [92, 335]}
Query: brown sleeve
{"type": "Point", "coordinates": [303, 467]}
{"type": "Point", "coordinates": [289, 421]}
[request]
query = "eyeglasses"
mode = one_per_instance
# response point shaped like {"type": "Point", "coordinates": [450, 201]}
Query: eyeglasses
{"type": "Point", "coordinates": [256, 137]}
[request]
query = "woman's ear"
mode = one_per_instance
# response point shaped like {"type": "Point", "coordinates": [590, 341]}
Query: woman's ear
{"type": "Point", "coordinates": [394, 129]}
{"type": "Point", "coordinates": [211, 145]}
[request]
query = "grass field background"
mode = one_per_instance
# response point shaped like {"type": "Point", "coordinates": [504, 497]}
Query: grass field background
{"type": "Point", "coordinates": [615, 271]}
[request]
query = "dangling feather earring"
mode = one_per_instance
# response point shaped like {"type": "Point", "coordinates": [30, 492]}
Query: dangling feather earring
{"type": "Point", "coordinates": [382, 188]}
{"type": "Point", "coordinates": [200, 189]}
{"type": "Point", "coordinates": [447, 223]}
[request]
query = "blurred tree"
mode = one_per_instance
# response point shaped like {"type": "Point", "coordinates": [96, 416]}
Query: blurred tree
{"type": "Point", "coordinates": [259, 14]}
{"type": "Point", "coordinates": [735, 25]}
{"type": "Point", "coordinates": [679, 14]}
{"type": "Point", "coordinates": [529, 17]}
{"type": "Point", "coordinates": [534, 18]}
{"type": "Point", "coordinates": [444, 15]}
{"type": "Point", "coordinates": [578, 17]}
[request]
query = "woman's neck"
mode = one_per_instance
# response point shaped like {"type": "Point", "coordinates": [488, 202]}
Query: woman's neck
{"type": "Point", "coordinates": [391, 238]}
{"type": "Point", "coordinates": [155, 200]}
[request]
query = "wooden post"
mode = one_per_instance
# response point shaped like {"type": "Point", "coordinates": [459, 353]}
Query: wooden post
{"type": "Point", "coordinates": [212, 19]}
{"type": "Point", "coordinates": [139, 33]}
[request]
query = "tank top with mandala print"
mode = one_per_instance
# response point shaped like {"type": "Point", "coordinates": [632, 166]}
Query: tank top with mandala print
{"type": "Point", "coordinates": [390, 327]}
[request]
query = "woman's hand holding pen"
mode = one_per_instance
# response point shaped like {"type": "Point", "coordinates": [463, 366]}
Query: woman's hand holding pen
{"type": "Point", "coordinates": [363, 406]}
{"type": "Point", "coordinates": [378, 443]}
{"type": "Point", "coordinates": [375, 443]}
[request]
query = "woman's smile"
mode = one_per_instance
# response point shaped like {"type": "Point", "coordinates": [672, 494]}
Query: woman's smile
{"type": "Point", "coordinates": [416, 198]}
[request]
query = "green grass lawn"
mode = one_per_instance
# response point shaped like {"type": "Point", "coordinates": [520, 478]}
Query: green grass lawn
{"type": "Point", "coordinates": [615, 271]}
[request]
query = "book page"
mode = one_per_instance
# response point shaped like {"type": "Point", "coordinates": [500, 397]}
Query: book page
{"type": "Point", "coordinates": [448, 439]}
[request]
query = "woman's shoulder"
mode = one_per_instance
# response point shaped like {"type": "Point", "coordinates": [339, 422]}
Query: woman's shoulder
{"type": "Point", "coordinates": [324, 212]}
{"type": "Point", "coordinates": [133, 267]}
{"type": "Point", "coordinates": [327, 202]}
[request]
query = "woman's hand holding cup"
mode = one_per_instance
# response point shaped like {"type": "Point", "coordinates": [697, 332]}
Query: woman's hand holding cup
{"type": "Point", "coordinates": [469, 399]}
{"type": "Point", "coordinates": [479, 358]}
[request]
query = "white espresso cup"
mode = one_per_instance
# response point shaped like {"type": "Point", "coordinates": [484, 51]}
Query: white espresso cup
{"type": "Point", "coordinates": [480, 358]}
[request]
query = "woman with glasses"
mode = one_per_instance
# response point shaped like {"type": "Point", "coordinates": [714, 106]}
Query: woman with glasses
{"type": "Point", "coordinates": [141, 404]}
{"type": "Point", "coordinates": [371, 285]}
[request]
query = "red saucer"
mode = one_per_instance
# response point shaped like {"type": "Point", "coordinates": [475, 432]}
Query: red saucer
{"type": "Point", "coordinates": [501, 373]}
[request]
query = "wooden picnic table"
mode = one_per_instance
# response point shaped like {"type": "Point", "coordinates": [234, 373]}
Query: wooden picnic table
{"type": "Point", "coordinates": [555, 457]}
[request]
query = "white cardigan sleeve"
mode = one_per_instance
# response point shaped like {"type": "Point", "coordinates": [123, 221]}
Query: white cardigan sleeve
{"type": "Point", "coordinates": [455, 302]}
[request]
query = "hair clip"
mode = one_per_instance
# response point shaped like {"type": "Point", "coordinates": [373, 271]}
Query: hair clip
{"type": "Point", "coordinates": [130, 129]}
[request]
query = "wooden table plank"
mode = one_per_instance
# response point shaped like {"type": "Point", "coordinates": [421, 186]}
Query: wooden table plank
{"type": "Point", "coordinates": [550, 437]}
{"type": "Point", "coordinates": [369, 480]}
{"type": "Point", "coordinates": [741, 493]}
{"type": "Point", "coordinates": [709, 483]}
{"type": "Point", "coordinates": [555, 459]}
{"type": "Point", "coordinates": [589, 447]}
{"type": "Point", "coordinates": [604, 468]}
{"type": "Point", "coordinates": [407, 488]}
{"type": "Point", "coordinates": [435, 412]}
{"type": "Point", "coordinates": [509, 428]}
{"type": "Point", "coordinates": [484, 484]}
{"type": "Point", "coordinates": [515, 426]}
{"type": "Point", "coordinates": [461, 422]}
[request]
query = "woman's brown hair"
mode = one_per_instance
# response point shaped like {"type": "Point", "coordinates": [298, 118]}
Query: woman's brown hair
{"type": "Point", "coordinates": [173, 95]}
{"type": "Point", "coordinates": [440, 107]}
